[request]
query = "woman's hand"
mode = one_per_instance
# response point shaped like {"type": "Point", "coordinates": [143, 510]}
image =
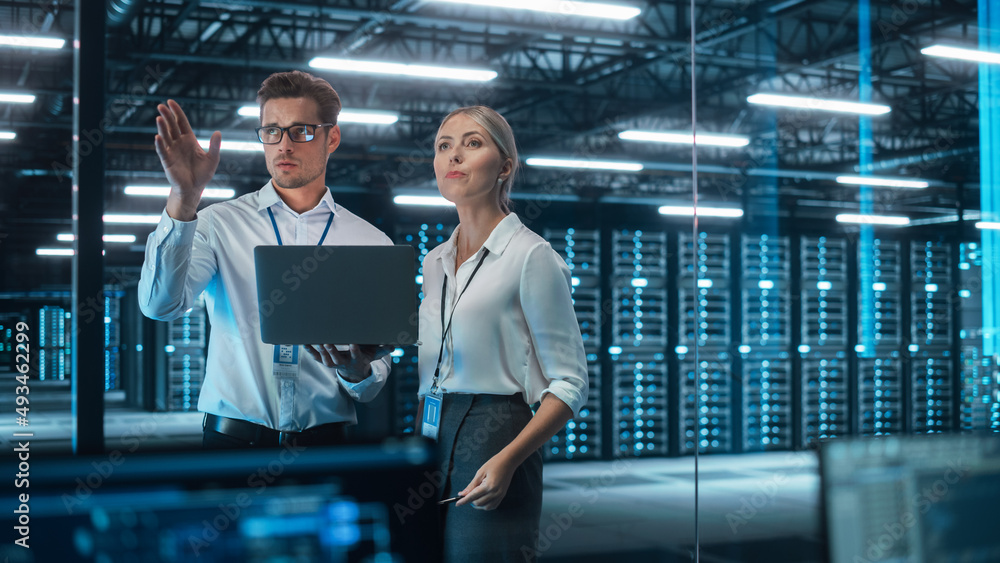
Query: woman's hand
{"type": "Point", "coordinates": [488, 488]}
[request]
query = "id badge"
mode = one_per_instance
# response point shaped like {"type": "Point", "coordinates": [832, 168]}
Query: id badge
{"type": "Point", "coordinates": [286, 361]}
{"type": "Point", "coordinates": [431, 421]}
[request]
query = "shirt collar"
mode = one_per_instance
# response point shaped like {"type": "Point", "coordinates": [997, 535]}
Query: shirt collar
{"type": "Point", "coordinates": [267, 196]}
{"type": "Point", "coordinates": [496, 243]}
{"type": "Point", "coordinates": [498, 240]}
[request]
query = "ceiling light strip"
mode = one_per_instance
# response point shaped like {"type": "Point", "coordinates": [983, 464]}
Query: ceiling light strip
{"type": "Point", "coordinates": [31, 42]}
{"type": "Point", "coordinates": [882, 182]}
{"type": "Point", "coordinates": [674, 137]}
{"type": "Point", "coordinates": [403, 69]}
{"type": "Point", "coordinates": [840, 106]}
{"type": "Point", "coordinates": [585, 164]}
{"type": "Point", "coordinates": [893, 220]}
{"type": "Point", "coordinates": [561, 7]}
{"type": "Point", "coordinates": [949, 52]}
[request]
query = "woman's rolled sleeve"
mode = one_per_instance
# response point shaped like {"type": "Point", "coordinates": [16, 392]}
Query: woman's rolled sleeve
{"type": "Point", "coordinates": [569, 392]}
{"type": "Point", "coordinates": [547, 302]}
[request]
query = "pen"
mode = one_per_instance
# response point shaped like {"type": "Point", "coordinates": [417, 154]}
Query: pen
{"type": "Point", "coordinates": [447, 500]}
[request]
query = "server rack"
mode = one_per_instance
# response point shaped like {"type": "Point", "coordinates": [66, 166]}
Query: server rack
{"type": "Point", "coordinates": [931, 391]}
{"type": "Point", "coordinates": [823, 338]}
{"type": "Point", "coordinates": [582, 437]}
{"type": "Point", "coordinates": [766, 335]}
{"type": "Point", "coordinates": [706, 320]}
{"type": "Point", "coordinates": [54, 340]}
{"type": "Point", "coordinates": [980, 377]}
{"type": "Point", "coordinates": [112, 338]}
{"type": "Point", "coordinates": [185, 358]}
{"type": "Point", "coordinates": [880, 327]}
{"type": "Point", "coordinates": [638, 342]}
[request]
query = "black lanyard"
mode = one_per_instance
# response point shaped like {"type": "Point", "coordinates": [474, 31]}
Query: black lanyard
{"type": "Point", "coordinates": [277, 235]}
{"type": "Point", "coordinates": [446, 329]}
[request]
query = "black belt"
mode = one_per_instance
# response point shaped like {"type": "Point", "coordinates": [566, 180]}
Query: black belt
{"type": "Point", "coordinates": [259, 435]}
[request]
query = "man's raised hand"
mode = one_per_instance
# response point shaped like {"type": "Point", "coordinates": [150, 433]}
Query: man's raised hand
{"type": "Point", "coordinates": [189, 168]}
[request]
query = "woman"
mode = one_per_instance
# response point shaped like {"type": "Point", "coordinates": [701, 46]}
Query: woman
{"type": "Point", "coordinates": [500, 296]}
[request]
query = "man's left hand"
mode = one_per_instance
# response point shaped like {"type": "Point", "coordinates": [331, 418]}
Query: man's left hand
{"type": "Point", "coordinates": [353, 364]}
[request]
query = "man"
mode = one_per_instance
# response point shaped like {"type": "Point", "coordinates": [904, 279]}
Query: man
{"type": "Point", "coordinates": [251, 399]}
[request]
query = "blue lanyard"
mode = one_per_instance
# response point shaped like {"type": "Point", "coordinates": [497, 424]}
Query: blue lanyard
{"type": "Point", "coordinates": [277, 235]}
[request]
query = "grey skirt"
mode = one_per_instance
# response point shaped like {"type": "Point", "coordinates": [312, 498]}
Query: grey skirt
{"type": "Point", "coordinates": [474, 428]}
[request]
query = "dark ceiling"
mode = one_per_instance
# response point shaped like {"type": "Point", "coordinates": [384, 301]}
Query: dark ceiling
{"type": "Point", "coordinates": [568, 85]}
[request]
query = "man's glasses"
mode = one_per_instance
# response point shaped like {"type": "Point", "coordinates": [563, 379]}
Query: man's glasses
{"type": "Point", "coordinates": [271, 135]}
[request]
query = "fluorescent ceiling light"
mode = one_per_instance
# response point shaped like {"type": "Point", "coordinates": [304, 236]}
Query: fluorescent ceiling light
{"type": "Point", "coordinates": [818, 103]}
{"type": "Point", "coordinates": [706, 139]}
{"type": "Point", "coordinates": [132, 219]}
{"type": "Point", "coordinates": [119, 238]}
{"type": "Point", "coordinates": [69, 237]}
{"type": "Point", "coordinates": [364, 116]}
{"type": "Point", "coordinates": [589, 9]}
{"type": "Point", "coordinates": [988, 225]}
{"type": "Point", "coordinates": [401, 69]}
{"type": "Point", "coordinates": [14, 98]}
{"type": "Point", "coordinates": [688, 211]}
{"type": "Point", "coordinates": [885, 182]}
{"type": "Point", "coordinates": [585, 164]}
{"type": "Point", "coordinates": [947, 52]}
{"type": "Point", "coordinates": [422, 200]}
{"type": "Point", "coordinates": [346, 115]}
{"type": "Point", "coordinates": [7, 135]}
{"type": "Point", "coordinates": [872, 219]}
{"type": "Point", "coordinates": [164, 191]}
{"type": "Point", "coordinates": [31, 42]}
{"type": "Point", "coordinates": [55, 251]}
{"type": "Point", "coordinates": [242, 146]}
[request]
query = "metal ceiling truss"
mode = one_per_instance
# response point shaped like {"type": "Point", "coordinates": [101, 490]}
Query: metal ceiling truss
{"type": "Point", "coordinates": [568, 86]}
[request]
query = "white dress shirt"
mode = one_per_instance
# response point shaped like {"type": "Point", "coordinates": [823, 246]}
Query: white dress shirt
{"type": "Point", "coordinates": [214, 254]}
{"type": "Point", "coordinates": [514, 328]}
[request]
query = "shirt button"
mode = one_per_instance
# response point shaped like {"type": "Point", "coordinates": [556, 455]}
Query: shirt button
{"type": "Point", "coordinates": [166, 229]}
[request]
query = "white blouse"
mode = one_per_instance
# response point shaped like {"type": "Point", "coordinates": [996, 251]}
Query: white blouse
{"type": "Point", "coordinates": [514, 329]}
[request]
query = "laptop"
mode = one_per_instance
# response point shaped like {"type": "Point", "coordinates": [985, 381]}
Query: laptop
{"type": "Point", "coordinates": [912, 498]}
{"type": "Point", "coordinates": [337, 294]}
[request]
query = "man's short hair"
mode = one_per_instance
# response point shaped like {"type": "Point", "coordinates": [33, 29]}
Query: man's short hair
{"type": "Point", "coordinates": [298, 84]}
